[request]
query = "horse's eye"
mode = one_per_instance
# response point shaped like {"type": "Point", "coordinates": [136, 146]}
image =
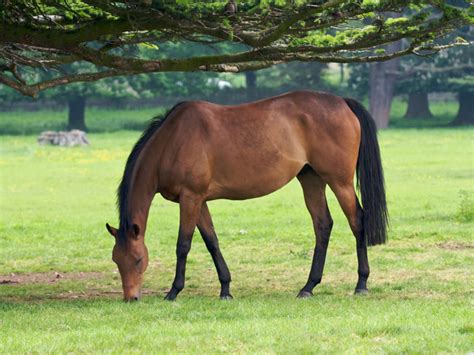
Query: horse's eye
{"type": "Point", "coordinates": [139, 261]}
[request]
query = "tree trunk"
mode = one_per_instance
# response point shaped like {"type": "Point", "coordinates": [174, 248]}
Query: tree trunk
{"type": "Point", "coordinates": [418, 106]}
{"type": "Point", "coordinates": [466, 109]}
{"type": "Point", "coordinates": [382, 84]}
{"type": "Point", "coordinates": [251, 83]}
{"type": "Point", "coordinates": [77, 107]}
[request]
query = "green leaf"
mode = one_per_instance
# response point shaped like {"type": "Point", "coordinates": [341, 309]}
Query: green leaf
{"type": "Point", "coordinates": [149, 45]}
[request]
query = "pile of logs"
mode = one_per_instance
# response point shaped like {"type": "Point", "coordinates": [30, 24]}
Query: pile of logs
{"type": "Point", "coordinates": [63, 139]}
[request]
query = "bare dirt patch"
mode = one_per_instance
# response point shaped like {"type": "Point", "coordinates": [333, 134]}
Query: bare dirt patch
{"type": "Point", "coordinates": [48, 277]}
{"type": "Point", "coordinates": [455, 245]}
{"type": "Point", "coordinates": [89, 285]}
{"type": "Point", "coordinates": [100, 293]}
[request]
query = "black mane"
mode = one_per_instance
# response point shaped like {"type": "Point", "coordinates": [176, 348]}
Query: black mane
{"type": "Point", "coordinates": [125, 224]}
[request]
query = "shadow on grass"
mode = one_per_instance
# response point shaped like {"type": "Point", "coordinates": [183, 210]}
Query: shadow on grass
{"type": "Point", "coordinates": [422, 123]}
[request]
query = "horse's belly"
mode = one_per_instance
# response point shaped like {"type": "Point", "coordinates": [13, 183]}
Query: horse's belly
{"type": "Point", "coordinates": [247, 182]}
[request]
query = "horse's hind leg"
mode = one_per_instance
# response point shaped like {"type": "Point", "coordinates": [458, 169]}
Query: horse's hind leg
{"type": "Point", "coordinates": [209, 236]}
{"type": "Point", "coordinates": [347, 198]}
{"type": "Point", "coordinates": [189, 210]}
{"type": "Point", "coordinates": [314, 195]}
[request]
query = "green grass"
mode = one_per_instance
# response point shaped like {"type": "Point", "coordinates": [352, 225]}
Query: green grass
{"type": "Point", "coordinates": [54, 203]}
{"type": "Point", "coordinates": [97, 120]}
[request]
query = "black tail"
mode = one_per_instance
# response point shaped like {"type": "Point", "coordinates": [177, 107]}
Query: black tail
{"type": "Point", "coordinates": [370, 181]}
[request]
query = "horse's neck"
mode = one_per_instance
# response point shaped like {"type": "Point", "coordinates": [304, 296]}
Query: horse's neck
{"type": "Point", "coordinates": [142, 191]}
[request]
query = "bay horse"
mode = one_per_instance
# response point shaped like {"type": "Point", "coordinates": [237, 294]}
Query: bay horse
{"type": "Point", "coordinates": [202, 151]}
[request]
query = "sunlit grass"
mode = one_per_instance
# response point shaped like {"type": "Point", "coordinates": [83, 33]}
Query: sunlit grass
{"type": "Point", "coordinates": [54, 203]}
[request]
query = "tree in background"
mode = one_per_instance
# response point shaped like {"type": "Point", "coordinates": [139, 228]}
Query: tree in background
{"type": "Point", "coordinates": [462, 62]}
{"type": "Point", "coordinates": [420, 76]}
{"type": "Point", "coordinates": [417, 76]}
{"type": "Point", "coordinates": [464, 86]}
{"type": "Point", "coordinates": [450, 71]}
{"type": "Point", "coordinates": [382, 87]}
{"type": "Point", "coordinates": [418, 105]}
{"type": "Point", "coordinates": [283, 78]}
{"type": "Point", "coordinates": [293, 76]}
{"type": "Point", "coordinates": [143, 86]}
{"type": "Point", "coordinates": [77, 94]}
{"type": "Point", "coordinates": [55, 33]}
{"type": "Point", "coordinates": [383, 76]}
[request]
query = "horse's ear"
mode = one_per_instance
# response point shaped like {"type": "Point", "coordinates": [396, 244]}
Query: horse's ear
{"type": "Point", "coordinates": [113, 231]}
{"type": "Point", "coordinates": [136, 230]}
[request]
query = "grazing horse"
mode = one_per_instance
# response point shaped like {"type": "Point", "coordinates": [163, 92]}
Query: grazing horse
{"type": "Point", "coordinates": [202, 151]}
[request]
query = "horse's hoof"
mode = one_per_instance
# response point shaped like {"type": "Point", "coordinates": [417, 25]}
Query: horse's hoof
{"type": "Point", "coordinates": [304, 294]}
{"type": "Point", "coordinates": [226, 297]}
{"type": "Point", "coordinates": [170, 296]}
{"type": "Point", "coordinates": [361, 292]}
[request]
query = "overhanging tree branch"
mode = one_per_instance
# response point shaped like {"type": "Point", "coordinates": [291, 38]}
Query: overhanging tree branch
{"type": "Point", "coordinates": [34, 89]}
{"type": "Point", "coordinates": [54, 33]}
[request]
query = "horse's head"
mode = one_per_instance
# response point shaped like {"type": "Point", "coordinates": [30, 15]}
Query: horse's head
{"type": "Point", "coordinates": [131, 257]}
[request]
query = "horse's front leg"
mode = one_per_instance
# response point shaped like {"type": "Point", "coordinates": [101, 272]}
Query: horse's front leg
{"type": "Point", "coordinates": [189, 210]}
{"type": "Point", "coordinates": [209, 236]}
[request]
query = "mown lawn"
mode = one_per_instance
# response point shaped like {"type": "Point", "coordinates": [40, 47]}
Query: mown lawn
{"type": "Point", "coordinates": [54, 203]}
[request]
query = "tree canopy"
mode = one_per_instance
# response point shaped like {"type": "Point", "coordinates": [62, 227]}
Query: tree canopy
{"type": "Point", "coordinates": [39, 35]}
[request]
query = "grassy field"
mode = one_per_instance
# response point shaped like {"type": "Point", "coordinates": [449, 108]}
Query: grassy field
{"type": "Point", "coordinates": [60, 291]}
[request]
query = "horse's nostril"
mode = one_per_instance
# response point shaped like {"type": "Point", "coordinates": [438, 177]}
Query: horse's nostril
{"type": "Point", "coordinates": [131, 299]}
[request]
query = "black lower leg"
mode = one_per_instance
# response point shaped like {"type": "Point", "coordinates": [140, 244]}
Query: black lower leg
{"type": "Point", "coordinates": [323, 232]}
{"type": "Point", "coordinates": [189, 210]}
{"type": "Point", "coordinates": [182, 250]}
{"type": "Point", "coordinates": [225, 291]}
{"type": "Point", "coordinates": [363, 269]}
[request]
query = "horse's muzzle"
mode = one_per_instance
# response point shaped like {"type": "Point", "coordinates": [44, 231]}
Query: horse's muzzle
{"type": "Point", "coordinates": [133, 297]}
